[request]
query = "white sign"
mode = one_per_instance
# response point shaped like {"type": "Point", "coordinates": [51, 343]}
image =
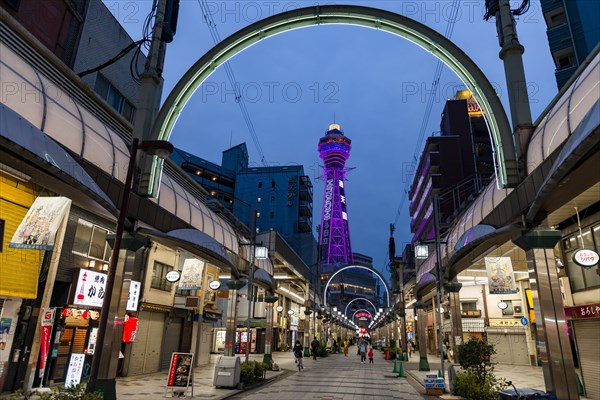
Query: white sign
{"type": "Point", "coordinates": [92, 341]}
{"type": "Point", "coordinates": [38, 228]}
{"type": "Point", "coordinates": [279, 308]}
{"type": "Point", "coordinates": [134, 296]}
{"type": "Point", "coordinates": [173, 276]}
{"type": "Point", "coordinates": [74, 371]}
{"type": "Point", "coordinates": [500, 275]}
{"type": "Point", "coordinates": [586, 258]}
{"type": "Point", "coordinates": [90, 288]}
{"type": "Point", "coordinates": [214, 285]}
{"type": "Point", "coordinates": [191, 274]}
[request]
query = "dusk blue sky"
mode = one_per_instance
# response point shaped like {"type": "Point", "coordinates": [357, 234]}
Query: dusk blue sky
{"type": "Point", "coordinates": [376, 85]}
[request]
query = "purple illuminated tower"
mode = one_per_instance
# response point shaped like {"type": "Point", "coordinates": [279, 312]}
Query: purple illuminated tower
{"type": "Point", "coordinates": [336, 248]}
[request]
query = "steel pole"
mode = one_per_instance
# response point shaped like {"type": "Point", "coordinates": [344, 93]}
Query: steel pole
{"type": "Point", "coordinates": [251, 283]}
{"type": "Point", "coordinates": [436, 218]}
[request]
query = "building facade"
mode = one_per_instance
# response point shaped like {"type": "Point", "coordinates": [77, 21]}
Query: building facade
{"type": "Point", "coordinates": [573, 33]}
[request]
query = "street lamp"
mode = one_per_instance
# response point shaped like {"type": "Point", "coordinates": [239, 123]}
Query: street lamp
{"type": "Point", "coordinates": [162, 149]}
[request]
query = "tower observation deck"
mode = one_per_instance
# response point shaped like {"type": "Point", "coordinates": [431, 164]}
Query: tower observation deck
{"type": "Point", "coordinates": [336, 248]}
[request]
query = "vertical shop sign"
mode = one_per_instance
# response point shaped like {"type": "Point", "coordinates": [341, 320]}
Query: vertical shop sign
{"type": "Point", "coordinates": [501, 279]}
{"type": "Point", "coordinates": [47, 321]}
{"type": "Point", "coordinates": [75, 369]}
{"type": "Point", "coordinates": [90, 288]}
{"type": "Point", "coordinates": [133, 296]}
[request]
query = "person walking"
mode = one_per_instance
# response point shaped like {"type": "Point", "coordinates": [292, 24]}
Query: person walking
{"type": "Point", "coordinates": [362, 348]}
{"type": "Point", "coordinates": [346, 346]}
{"type": "Point", "coordinates": [298, 350]}
{"type": "Point", "coordinates": [371, 355]}
{"type": "Point", "coordinates": [314, 345]}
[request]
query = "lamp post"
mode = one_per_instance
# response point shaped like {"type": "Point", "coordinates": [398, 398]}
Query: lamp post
{"type": "Point", "coordinates": [161, 149]}
{"type": "Point", "coordinates": [440, 287]}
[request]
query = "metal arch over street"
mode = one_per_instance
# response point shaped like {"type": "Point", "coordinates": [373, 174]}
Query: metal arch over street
{"type": "Point", "coordinates": [356, 299]}
{"type": "Point", "coordinates": [370, 269]}
{"type": "Point", "coordinates": [504, 148]}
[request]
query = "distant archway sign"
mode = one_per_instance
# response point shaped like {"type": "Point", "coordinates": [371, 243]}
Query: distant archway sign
{"type": "Point", "coordinates": [504, 151]}
{"type": "Point", "coordinates": [370, 269]}
{"type": "Point", "coordinates": [358, 299]}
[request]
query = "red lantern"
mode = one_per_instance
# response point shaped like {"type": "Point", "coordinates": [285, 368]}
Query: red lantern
{"type": "Point", "coordinates": [86, 314]}
{"type": "Point", "coordinates": [66, 312]}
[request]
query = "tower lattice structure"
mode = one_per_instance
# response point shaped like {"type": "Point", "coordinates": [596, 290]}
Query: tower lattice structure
{"type": "Point", "coordinates": [336, 247]}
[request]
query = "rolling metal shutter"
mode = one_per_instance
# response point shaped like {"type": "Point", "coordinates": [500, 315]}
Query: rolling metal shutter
{"type": "Point", "coordinates": [586, 337]}
{"type": "Point", "coordinates": [171, 343]}
{"type": "Point", "coordinates": [511, 348]}
{"type": "Point", "coordinates": [145, 351]}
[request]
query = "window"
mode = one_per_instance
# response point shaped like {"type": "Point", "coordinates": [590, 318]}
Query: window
{"type": "Point", "coordinates": [259, 185]}
{"type": "Point", "coordinates": [159, 280]}
{"type": "Point", "coordinates": [470, 306]}
{"type": "Point", "coordinates": [564, 58]}
{"type": "Point", "coordinates": [581, 278]}
{"type": "Point", "coordinates": [113, 97]}
{"type": "Point", "coordinates": [272, 199]}
{"type": "Point", "coordinates": [90, 241]}
{"type": "Point", "coordinates": [272, 214]}
{"type": "Point", "coordinates": [555, 17]}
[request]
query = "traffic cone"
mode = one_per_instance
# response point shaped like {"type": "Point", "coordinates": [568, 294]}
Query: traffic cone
{"type": "Point", "coordinates": [395, 366]}
{"type": "Point", "coordinates": [579, 385]}
{"type": "Point", "coordinates": [401, 371]}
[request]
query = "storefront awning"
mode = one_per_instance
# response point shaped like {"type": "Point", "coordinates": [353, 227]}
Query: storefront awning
{"type": "Point", "coordinates": [25, 140]}
{"type": "Point", "coordinates": [262, 276]}
{"type": "Point", "coordinates": [196, 242]}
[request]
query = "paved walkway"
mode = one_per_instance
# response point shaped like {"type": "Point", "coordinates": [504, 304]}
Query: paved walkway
{"type": "Point", "coordinates": [337, 378]}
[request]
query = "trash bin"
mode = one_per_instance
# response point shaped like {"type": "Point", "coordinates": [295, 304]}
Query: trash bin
{"type": "Point", "coordinates": [525, 393]}
{"type": "Point", "coordinates": [227, 372]}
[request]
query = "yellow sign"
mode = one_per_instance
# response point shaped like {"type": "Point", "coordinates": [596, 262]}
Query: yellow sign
{"type": "Point", "coordinates": [505, 322]}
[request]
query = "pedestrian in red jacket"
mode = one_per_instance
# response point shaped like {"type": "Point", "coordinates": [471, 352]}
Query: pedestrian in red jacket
{"type": "Point", "coordinates": [371, 355]}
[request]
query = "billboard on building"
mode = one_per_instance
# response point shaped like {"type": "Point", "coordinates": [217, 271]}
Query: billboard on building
{"type": "Point", "coordinates": [38, 229]}
{"type": "Point", "coordinates": [191, 274]}
{"type": "Point", "coordinates": [501, 278]}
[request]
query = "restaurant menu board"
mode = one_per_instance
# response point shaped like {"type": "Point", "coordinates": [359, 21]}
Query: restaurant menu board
{"type": "Point", "coordinates": [180, 370]}
{"type": "Point", "coordinates": [75, 369]}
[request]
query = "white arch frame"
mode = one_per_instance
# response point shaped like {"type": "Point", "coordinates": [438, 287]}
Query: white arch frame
{"type": "Point", "coordinates": [359, 298]}
{"type": "Point", "coordinates": [505, 157]}
{"type": "Point", "coordinates": [372, 270]}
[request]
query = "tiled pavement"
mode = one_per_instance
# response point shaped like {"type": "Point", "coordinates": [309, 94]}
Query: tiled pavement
{"type": "Point", "coordinates": [337, 378]}
{"type": "Point", "coordinates": [332, 378]}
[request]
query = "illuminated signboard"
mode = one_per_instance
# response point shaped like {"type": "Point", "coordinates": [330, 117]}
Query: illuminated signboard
{"type": "Point", "coordinates": [90, 288]}
{"type": "Point", "coordinates": [363, 314]}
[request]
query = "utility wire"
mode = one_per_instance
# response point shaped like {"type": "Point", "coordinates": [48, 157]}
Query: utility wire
{"type": "Point", "coordinates": [429, 107]}
{"type": "Point", "coordinates": [212, 27]}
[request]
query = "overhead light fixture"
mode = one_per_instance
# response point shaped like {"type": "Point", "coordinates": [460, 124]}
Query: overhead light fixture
{"type": "Point", "coordinates": [91, 263]}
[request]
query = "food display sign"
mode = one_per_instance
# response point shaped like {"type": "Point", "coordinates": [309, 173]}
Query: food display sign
{"type": "Point", "coordinates": [586, 258]}
{"type": "Point", "coordinates": [180, 371]}
{"type": "Point", "coordinates": [75, 370]}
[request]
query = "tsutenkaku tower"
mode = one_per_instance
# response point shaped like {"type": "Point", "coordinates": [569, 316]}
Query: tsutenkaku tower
{"type": "Point", "coordinates": [336, 248]}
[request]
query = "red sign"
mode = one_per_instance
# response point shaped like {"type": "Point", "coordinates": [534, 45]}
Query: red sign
{"type": "Point", "coordinates": [583, 312]}
{"type": "Point", "coordinates": [362, 314]}
{"type": "Point", "coordinates": [130, 329]}
{"type": "Point", "coordinates": [47, 321]}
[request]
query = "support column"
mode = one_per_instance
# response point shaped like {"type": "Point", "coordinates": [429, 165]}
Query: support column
{"type": "Point", "coordinates": [553, 344]}
{"type": "Point", "coordinates": [230, 324]}
{"type": "Point", "coordinates": [268, 356]}
{"type": "Point", "coordinates": [422, 337]}
{"type": "Point", "coordinates": [456, 335]}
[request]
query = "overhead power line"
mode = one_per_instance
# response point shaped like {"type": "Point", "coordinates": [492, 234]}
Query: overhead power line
{"type": "Point", "coordinates": [212, 27]}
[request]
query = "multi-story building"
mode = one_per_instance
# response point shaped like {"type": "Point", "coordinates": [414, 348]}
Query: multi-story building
{"type": "Point", "coordinates": [457, 163]}
{"type": "Point", "coordinates": [573, 32]}
{"type": "Point", "coordinates": [280, 196]}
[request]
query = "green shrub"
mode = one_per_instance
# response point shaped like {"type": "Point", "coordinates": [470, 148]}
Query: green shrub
{"type": "Point", "coordinates": [247, 376]}
{"type": "Point", "coordinates": [468, 386]}
{"type": "Point", "coordinates": [322, 352]}
{"type": "Point", "coordinates": [61, 393]}
{"type": "Point", "coordinates": [259, 370]}
{"type": "Point", "coordinates": [478, 382]}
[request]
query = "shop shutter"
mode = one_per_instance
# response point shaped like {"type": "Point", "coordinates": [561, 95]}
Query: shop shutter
{"type": "Point", "coordinates": [586, 336]}
{"type": "Point", "coordinates": [511, 348]}
{"type": "Point", "coordinates": [145, 351]}
{"type": "Point", "coordinates": [171, 343]}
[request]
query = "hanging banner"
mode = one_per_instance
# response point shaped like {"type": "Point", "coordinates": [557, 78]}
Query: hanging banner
{"type": "Point", "coordinates": [191, 274]}
{"type": "Point", "coordinates": [47, 321]}
{"type": "Point", "coordinates": [38, 229]}
{"type": "Point", "coordinates": [501, 279]}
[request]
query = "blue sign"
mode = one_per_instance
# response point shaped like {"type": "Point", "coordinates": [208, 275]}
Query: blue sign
{"type": "Point", "coordinates": [524, 321]}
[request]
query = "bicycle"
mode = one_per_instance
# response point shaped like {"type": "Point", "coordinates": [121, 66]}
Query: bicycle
{"type": "Point", "coordinates": [299, 362]}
